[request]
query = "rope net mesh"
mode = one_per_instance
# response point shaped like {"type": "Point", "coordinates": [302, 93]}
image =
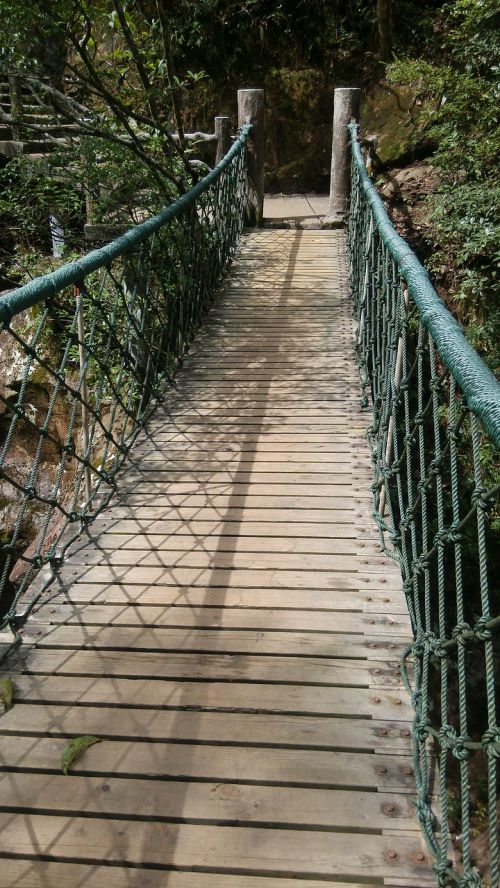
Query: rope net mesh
{"type": "Point", "coordinates": [93, 357]}
{"type": "Point", "coordinates": [436, 503]}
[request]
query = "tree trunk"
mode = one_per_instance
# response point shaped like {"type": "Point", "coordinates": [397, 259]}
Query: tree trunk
{"type": "Point", "coordinates": [384, 26]}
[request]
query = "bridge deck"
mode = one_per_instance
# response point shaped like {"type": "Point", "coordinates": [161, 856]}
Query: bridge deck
{"type": "Point", "coordinates": [229, 630]}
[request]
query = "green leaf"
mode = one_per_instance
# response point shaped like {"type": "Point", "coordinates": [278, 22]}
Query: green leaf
{"type": "Point", "coordinates": [75, 749]}
{"type": "Point", "coordinates": [6, 692]}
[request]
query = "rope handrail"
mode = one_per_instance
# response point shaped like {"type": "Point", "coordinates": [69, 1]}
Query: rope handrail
{"type": "Point", "coordinates": [88, 352]}
{"type": "Point", "coordinates": [47, 285]}
{"type": "Point", "coordinates": [435, 439]}
{"type": "Point", "coordinates": [476, 380]}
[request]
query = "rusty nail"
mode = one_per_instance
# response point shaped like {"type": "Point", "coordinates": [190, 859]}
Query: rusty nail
{"type": "Point", "coordinates": [405, 733]}
{"type": "Point", "coordinates": [375, 699]}
{"type": "Point", "coordinates": [105, 787]}
{"type": "Point", "coordinates": [398, 702]}
{"type": "Point", "coordinates": [387, 600]}
{"type": "Point", "coordinates": [376, 671]}
{"type": "Point", "coordinates": [388, 809]}
{"type": "Point", "coordinates": [383, 732]}
{"type": "Point", "coordinates": [372, 622]}
{"type": "Point", "coordinates": [392, 855]}
{"type": "Point", "coordinates": [407, 772]}
{"type": "Point", "coordinates": [371, 644]}
{"type": "Point", "coordinates": [368, 598]}
{"type": "Point", "coordinates": [419, 856]}
{"type": "Point", "coordinates": [381, 770]}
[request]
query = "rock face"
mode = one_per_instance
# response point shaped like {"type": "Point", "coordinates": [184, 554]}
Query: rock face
{"type": "Point", "coordinates": [299, 116]}
{"type": "Point", "coordinates": [390, 113]}
{"type": "Point", "coordinates": [31, 460]}
{"type": "Point", "coordinates": [298, 129]}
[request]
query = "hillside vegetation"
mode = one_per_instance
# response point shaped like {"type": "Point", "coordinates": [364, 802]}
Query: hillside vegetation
{"type": "Point", "coordinates": [138, 69]}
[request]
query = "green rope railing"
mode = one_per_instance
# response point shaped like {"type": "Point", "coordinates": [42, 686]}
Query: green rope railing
{"type": "Point", "coordinates": [93, 347]}
{"type": "Point", "coordinates": [434, 437]}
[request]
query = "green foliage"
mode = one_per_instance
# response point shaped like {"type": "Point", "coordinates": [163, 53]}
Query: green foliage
{"type": "Point", "coordinates": [6, 693]}
{"type": "Point", "coordinates": [458, 82]}
{"type": "Point", "coordinates": [75, 749]}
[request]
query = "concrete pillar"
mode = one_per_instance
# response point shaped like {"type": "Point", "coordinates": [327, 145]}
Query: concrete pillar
{"type": "Point", "coordinates": [251, 110]}
{"type": "Point", "coordinates": [223, 137]}
{"type": "Point", "coordinates": [345, 108]}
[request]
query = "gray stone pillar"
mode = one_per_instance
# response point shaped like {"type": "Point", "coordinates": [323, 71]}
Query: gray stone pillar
{"type": "Point", "coordinates": [345, 109]}
{"type": "Point", "coordinates": [251, 110]}
{"type": "Point", "coordinates": [223, 137]}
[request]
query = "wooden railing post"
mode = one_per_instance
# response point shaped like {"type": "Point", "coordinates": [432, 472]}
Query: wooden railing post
{"type": "Point", "coordinates": [345, 109]}
{"type": "Point", "coordinates": [251, 110]}
{"type": "Point", "coordinates": [16, 105]}
{"type": "Point", "coordinates": [223, 136]}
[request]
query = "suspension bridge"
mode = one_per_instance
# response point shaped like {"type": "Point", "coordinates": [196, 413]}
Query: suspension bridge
{"type": "Point", "coordinates": [261, 574]}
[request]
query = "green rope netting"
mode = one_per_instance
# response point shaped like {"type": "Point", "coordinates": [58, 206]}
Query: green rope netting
{"type": "Point", "coordinates": [93, 347]}
{"type": "Point", "coordinates": [434, 439]}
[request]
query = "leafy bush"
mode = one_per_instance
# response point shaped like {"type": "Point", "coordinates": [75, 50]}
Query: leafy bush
{"type": "Point", "coordinates": [458, 81]}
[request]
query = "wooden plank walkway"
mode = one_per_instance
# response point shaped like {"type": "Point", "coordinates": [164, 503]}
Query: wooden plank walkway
{"type": "Point", "coordinates": [229, 628]}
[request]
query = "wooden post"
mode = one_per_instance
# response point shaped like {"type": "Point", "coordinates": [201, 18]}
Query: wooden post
{"type": "Point", "coordinates": [251, 110]}
{"type": "Point", "coordinates": [16, 105]}
{"type": "Point", "coordinates": [223, 137]}
{"type": "Point", "coordinates": [345, 109]}
{"type": "Point", "coordinates": [84, 391]}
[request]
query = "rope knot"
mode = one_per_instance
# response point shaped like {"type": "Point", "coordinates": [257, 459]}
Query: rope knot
{"type": "Point", "coordinates": [422, 729]}
{"type": "Point", "coordinates": [441, 537]}
{"type": "Point", "coordinates": [443, 870]}
{"type": "Point", "coordinates": [490, 741]}
{"type": "Point", "coordinates": [458, 632]}
{"type": "Point", "coordinates": [471, 879]}
{"type": "Point", "coordinates": [421, 565]}
{"type": "Point", "coordinates": [418, 419]}
{"type": "Point", "coordinates": [424, 484]}
{"type": "Point", "coordinates": [452, 434]}
{"type": "Point", "coordinates": [482, 630]}
{"type": "Point", "coordinates": [481, 498]}
{"type": "Point", "coordinates": [454, 534]}
{"type": "Point", "coordinates": [435, 465]}
{"type": "Point", "coordinates": [435, 644]}
{"type": "Point", "coordinates": [425, 816]}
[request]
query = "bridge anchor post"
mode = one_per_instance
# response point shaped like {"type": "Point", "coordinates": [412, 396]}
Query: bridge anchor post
{"type": "Point", "coordinates": [345, 108]}
{"type": "Point", "coordinates": [251, 110]}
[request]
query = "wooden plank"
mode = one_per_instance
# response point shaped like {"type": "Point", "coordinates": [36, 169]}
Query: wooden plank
{"type": "Point", "coordinates": [230, 730]}
{"type": "Point", "coordinates": [324, 492]}
{"type": "Point", "coordinates": [239, 764]}
{"type": "Point", "coordinates": [198, 553]}
{"type": "Point", "coordinates": [292, 700]}
{"type": "Point", "coordinates": [296, 697]}
{"type": "Point", "coordinates": [241, 849]}
{"type": "Point", "coordinates": [209, 521]}
{"type": "Point", "coordinates": [211, 541]}
{"type": "Point", "coordinates": [237, 577]}
{"type": "Point", "coordinates": [19, 873]}
{"type": "Point", "coordinates": [216, 801]}
{"type": "Point", "coordinates": [372, 672]}
{"type": "Point", "coordinates": [280, 619]}
{"type": "Point", "coordinates": [206, 596]}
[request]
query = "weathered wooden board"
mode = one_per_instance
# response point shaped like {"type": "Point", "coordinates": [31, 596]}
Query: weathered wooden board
{"type": "Point", "coordinates": [216, 801]}
{"type": "Point", "coordinates": [269, 731]}
{"type": "Point", "coordinates": [50, 874]}
{"type": "Point", "coordinates": [267, 619]}
{"type": "Point", "coordinates": [241, 849]}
